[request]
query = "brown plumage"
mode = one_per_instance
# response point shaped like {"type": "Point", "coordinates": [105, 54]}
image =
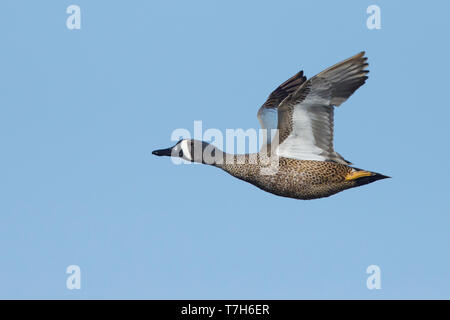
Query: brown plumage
{"type": "Point", "coordinates": [300, 161]}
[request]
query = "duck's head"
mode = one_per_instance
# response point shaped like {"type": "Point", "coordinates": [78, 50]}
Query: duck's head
{"type": "Point", "coordinates": [192, 150]}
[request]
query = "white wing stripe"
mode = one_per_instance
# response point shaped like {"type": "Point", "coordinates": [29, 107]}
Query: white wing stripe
{"type": "Point", "coordinates": [302, 143]}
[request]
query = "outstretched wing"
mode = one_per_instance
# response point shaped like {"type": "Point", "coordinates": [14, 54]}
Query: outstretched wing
{"type": "Point", "coordinates": [268, 113]}
{"type": "Point", "coordinates": [306, 116]}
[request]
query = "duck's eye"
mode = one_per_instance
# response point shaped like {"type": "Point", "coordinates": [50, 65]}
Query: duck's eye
{"type": "Point", "coordinates": [180, 154]}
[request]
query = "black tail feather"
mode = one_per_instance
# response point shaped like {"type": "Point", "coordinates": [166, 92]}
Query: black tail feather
{"type": "Point", "coordinates": [366, 180]}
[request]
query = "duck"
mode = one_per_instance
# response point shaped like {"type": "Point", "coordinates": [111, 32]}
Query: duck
{"type": "Point", "coordinates": [297, 159]}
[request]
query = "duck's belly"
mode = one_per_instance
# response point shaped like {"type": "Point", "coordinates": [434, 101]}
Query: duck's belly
{"type": "Point", "coordinates": [305, 179]}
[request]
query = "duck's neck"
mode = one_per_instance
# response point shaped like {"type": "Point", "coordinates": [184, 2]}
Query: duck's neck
{"type": "Point", "coordinates": [242, 166]}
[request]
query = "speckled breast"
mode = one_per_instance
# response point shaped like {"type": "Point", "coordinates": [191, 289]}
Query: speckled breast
{"type": "Point", "coordinates": [304, 179]}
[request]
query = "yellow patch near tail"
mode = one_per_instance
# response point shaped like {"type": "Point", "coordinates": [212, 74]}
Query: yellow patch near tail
{"type": "Point", "coordinates": [358, 174]}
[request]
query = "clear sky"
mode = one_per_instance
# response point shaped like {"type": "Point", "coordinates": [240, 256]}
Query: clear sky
{"type": "Point", "coordinates": [81, 111]}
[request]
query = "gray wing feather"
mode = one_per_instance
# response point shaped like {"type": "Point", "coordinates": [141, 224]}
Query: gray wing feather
{"type": "Point", "coordinates": [306, 116]}
{"type": "Point", "coordinates": [268, 113]}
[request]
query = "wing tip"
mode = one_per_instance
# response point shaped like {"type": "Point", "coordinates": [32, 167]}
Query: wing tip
{"type": "Point", "coordinates": [361, 54]}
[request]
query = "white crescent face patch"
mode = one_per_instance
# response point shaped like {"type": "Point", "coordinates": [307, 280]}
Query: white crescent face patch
{"type": "Point", "coordinates": [186, 151]}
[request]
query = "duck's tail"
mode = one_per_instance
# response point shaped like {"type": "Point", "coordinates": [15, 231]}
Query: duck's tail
{"type": "Point", "coordinates": [362, 177]}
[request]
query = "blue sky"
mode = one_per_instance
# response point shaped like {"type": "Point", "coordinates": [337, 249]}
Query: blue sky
{"type": "Point", "coordinates": [81, 111]}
